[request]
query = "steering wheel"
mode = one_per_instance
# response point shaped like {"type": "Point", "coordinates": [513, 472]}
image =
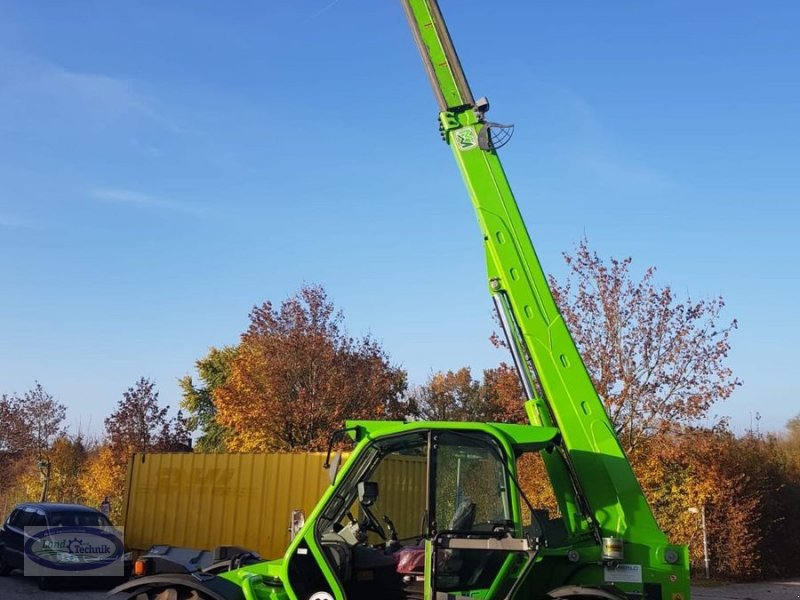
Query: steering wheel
{"type": "Point", "coordinates": [371, 523]}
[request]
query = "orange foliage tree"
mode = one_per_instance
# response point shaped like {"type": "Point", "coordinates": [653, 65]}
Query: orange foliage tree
{"type": "Point", "coordinates": [67, 460]}
{"type": "Point", "coordinates": [503, 395]}
{"type": "Point", "coordinates": [450, 396]}
{"type": "Point", "coordinates": [297, 375]}
{"type": "Point", "coordinates": [791, 443]}
{"type": "Point", "coordinates": [656, 362]}
{"type": "Point", "coordinates": [457, 396]}
{"type": "Point", "coordinates": [748, 490]}
{"type": "Point", "coordinates": [139, 424]}
{"type": "Point", "coordinates": [103, 477]}
{"type": "Point", "coordinates": [31, 423]}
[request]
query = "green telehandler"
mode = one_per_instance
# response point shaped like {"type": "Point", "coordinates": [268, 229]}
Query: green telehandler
{"type": "Point", "coordinates": [435, 510]}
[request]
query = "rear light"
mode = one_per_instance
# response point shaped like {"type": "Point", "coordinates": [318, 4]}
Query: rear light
{"type": "Point", "coordinates": [140, 567]}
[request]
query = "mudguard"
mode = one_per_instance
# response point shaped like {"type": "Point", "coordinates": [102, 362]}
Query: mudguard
{"type": "Point", "coordinates": [579, 592]}
{"type": "Point", "coordinates": [210, 586]}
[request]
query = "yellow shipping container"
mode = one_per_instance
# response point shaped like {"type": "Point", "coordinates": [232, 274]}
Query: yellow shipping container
{"type": "Point", "coordinates": [208, 500]}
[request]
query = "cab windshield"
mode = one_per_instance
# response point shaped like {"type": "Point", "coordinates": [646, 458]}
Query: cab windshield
{"type": "Point", "coordinates": [398, 465]}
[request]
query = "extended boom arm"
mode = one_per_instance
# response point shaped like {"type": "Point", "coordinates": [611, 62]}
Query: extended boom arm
{"type": "Point", "coordinates": [597, 490]}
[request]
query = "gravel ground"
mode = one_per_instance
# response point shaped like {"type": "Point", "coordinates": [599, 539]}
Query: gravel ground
{"type": "Point", "coordinates": [18, 588]}
{"type": "Point", "coordinates": [774, 590]}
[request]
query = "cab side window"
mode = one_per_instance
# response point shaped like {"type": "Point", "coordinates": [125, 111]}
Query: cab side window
{"type": "Point", "coordinates": [471, 497]}
{"type": "Point", "coordinates": [471, 487]}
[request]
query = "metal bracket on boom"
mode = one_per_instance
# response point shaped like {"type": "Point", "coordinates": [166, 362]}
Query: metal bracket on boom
{"type": "Point", "coordinates": [493, 136]}
{"type": "Point", "coordinates": [447, 122]}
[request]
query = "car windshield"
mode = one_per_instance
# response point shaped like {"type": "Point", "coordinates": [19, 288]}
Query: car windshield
{"type": "Point", "coordinates": [79, 518]}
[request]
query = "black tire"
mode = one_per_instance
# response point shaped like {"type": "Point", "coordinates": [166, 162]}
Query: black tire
{"type": "Point", "coordinates": [5, 568]}
{"type": "Point", "coordinates": [45, 583]}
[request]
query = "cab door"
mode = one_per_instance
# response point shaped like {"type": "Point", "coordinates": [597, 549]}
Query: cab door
{"type": "Point", "coordinates": [378, 509]}
{"type": "Point", "coordinates": [472, 511]}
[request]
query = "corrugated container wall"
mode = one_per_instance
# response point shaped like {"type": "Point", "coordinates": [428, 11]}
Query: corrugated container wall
{"type": "Point", "coordinates": [208, 500]}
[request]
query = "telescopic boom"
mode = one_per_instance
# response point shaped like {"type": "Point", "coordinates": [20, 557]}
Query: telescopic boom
{"type": "Point", "coordinates": [596, 488]}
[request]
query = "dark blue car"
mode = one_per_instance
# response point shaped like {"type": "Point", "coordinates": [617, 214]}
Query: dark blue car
{"type": "Point", "coordinates": [41, 514]}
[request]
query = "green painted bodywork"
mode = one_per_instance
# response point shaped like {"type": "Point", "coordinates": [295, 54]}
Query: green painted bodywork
{"type": "Point", "coordinates": [597, 491]}
{"type": "Point", "coordinates": [569, 401]}
{"type": "Point", "coordinates": [273, 578]}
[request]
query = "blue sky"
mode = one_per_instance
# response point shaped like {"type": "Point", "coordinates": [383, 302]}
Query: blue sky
{"type": "Point", "coordinates": [166, 166]}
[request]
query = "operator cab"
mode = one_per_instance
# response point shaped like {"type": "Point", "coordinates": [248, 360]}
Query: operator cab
{"type": "Point", "coordinates": [403, 492]}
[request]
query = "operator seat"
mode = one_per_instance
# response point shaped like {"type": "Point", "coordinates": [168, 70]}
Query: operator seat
{"type": "Point", "coordinates": [339, 554]}
{"type": "Point", "coordinates": [464, 517]}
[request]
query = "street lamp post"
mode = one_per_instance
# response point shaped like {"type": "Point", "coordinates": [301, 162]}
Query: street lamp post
{"type": "Point", "coordinates": [702, 512]}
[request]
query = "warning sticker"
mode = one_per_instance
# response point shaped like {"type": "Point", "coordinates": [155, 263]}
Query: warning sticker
{"type": "Point", "coordinates": [624, 574]}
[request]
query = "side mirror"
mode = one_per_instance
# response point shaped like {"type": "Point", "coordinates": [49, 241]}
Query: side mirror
{"type": "Point", "coordinates": [333, 467]}
{"type": "Point", "coordinates": [367, 492]}
{"type": "Point", "coordinates": [296, 524]}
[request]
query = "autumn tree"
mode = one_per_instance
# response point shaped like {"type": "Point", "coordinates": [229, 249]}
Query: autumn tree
{"type": "Point", "coordinates": [793, 428]}
{"type": "Point", "coordinates": [450, 396]}
{"type": "Point", "coordinates": [791, 444]}
{"type": "Point", "coordinates": [503, 395]}
{"type": "Point", "coordinates": [297, 375]}
{"type": "Point", "coordinates": [747, 492]}
{"type": "Point", "coordinates": [103, 477]}
{"type": "Point", "coordinates": [67, 456]}
{"type": "Point", "coordinates": [13, 440]}
{"type": "Point", "coordinates": [141, 424]}
{"type": "Point", "coordinates": [43, 418]}
{"type": "Point", "coordinates": [457, 396]}
{"type": "Point", "coordinates": [656, 361]}
{"type": "Point", "coordinates": [13, 434]}
{"type": "Point", "coordinates": [198, 398]}
{"type": "Point", "coordinates": [31, 423]}
{"type": "Point", "coordinates": [793, 434]}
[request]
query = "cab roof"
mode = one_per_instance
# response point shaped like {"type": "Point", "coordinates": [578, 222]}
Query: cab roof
{"type": "Point", "coordinates": [524, 438]}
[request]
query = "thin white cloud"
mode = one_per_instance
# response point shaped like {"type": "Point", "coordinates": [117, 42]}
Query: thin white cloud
{"type": "Point", "coordinates": [149, 150]}
{"type": "Point", "coordinates": [618, 171]}
{"type": "Point", "coordinates": [120, 196]}
{"type": "Point", "coordinates": [596, 149]}
{"type": "Point", "coordinates": [325, 9]}
{"type": "Point", "coordinates": [134, 198]}
{"type": "Point", "coordinates": [31, 86]}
